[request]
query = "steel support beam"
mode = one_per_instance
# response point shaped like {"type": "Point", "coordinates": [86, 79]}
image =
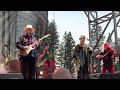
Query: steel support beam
{"type": "Point", "coordinates": [92, 19]}
{"type": "Point", "coordinates": [115, 29]}
{"type": "Point", "coordinates": [102, 34]}
{"type": "Point", "coordinates": [102, 17]}
{"type": "Point", "coordinates": [112, 31]}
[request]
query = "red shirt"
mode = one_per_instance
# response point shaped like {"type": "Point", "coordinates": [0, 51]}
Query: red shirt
{"type": "Point", "coordinates": [47, 69]}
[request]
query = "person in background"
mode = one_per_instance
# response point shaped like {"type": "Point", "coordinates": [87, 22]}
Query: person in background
{"type": "Point", "coordinates": [48, 65]}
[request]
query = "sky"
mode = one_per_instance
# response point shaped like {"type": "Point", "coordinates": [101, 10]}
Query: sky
{"type": "Point", "coordinates": [76, 22]}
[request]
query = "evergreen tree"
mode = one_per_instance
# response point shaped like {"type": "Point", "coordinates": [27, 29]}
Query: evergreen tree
{"type": "Point", "coordinates": [110, 39]}
{"type": "Point", "coordinates": [69, 43]}
{"type": "Point", "coordinates": [53, 40]}
{"type": "Point", "coordinates": [60, 55]}
{"type": "Point", "coordinates": [94, 35]}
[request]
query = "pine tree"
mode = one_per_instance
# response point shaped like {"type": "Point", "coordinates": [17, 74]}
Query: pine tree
{"type": "Point", "coordinates": [69, 43]}
{"type": "Point", "coordinates": [94, 41]}
{"type": "Point", "coordinates": [53, 40]}
{"type": "Point", "coordinates": [94, 36]}
{"type": "Point", "coordinates": [60, 55]}
{"type": "Point", "coordinates": [110, 39]}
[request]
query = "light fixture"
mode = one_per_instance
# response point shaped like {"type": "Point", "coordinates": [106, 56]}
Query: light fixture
{"type": "Point", "coordinates": [41, 72]}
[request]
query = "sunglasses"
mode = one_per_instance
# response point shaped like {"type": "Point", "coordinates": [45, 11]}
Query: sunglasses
{"type": "Point", "coordinates": [81, 38]}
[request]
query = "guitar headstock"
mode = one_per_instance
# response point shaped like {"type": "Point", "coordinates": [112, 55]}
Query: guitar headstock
{"type": "Point", "coordinates": [46, 36]}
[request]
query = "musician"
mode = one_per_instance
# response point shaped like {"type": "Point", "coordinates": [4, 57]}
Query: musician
{"type": "Point", "coordinates": [107, 54]}
{"type": "Point", "coordinates": [48, 65]}
{"type": "Point", "coordinates": [81, 55]}
{"type": "Point", "coordinates": [28, 62]}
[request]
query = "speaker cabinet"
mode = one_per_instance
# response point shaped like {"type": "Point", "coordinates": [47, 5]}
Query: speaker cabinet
{"type": "Point", "coordinates": [11, 76]}
{"type": "Point", "coordinates": [116, 75]}
{"type": "Point", "coordinates": [14, 66]}
{"type": "Point", "coordinates": [94, 76]}
{"type": "Point", "coordinates": [110, 76]}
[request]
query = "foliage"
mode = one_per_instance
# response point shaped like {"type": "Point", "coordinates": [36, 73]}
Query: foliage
{"type": "Point", "coordinates": [53, 40]}
{"type": "Point", "coordinates": [67, 48]}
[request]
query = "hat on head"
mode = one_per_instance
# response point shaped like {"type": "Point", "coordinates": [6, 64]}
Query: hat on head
{"type": "Point", "coordinates": [29, 27]}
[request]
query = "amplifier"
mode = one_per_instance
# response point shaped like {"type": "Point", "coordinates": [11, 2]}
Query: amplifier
{"type": "Point", "coordinates": [11, 76]}
{"type": "Point", "coordinates": [116, 75]}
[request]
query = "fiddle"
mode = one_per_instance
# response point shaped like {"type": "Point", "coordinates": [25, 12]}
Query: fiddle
{"type": "Point", "coordinates": [111, 50]}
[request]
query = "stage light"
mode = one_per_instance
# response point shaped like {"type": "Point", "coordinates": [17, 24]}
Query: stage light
{"type": "Point", "coordinates": [41, 72]}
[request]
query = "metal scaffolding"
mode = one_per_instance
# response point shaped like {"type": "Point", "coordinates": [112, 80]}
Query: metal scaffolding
{"type": "Point", "coordinates": [93, 19]}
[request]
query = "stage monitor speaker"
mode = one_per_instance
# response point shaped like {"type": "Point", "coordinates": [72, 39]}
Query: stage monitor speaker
{"type": "Point", "coordinates": [14, 66]}
{"type": "Point", "coordinates": [110, 76]}
{"type": "Point", "coordinates": [11, 76]}
{"type": "Point", "coordinates": [94, 76]}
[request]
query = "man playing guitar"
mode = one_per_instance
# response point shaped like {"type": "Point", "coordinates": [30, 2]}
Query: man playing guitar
{"type": "Point", "coordinates": [27, 44]}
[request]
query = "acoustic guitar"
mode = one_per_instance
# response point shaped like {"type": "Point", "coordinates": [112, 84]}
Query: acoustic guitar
{"type": "Point", "coordinates": [25, 52]}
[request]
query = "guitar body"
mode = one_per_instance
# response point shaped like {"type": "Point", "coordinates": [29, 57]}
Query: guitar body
{"type": "Point", "coordinates": [26, 52]}
{"type": "Point", "coordinates": [23, 52]}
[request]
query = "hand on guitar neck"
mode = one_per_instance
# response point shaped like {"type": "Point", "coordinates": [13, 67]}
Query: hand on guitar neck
{"type": "Point", "coordinates": [39, 41]}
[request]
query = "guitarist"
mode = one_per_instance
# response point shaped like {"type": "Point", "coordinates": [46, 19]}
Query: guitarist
{"type": "Point", "coordinates": [107, 54]}
{"type": "Point", "coordinates": [28, 62]}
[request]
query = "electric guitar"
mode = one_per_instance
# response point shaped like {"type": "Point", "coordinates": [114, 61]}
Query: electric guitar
{"type": "Point", "coordinates": [25, 52]}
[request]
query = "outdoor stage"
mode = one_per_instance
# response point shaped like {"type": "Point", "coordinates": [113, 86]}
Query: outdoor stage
{"type": "Point", "coordinates": [13, 71]}
{"type": "Point", "coordinates": [116, 75]}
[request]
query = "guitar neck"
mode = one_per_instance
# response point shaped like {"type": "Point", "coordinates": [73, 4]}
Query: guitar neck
{"type": "Point", "coordinates": [37, 42]}
{"type": "Point", "coordinates": [34, 43]}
